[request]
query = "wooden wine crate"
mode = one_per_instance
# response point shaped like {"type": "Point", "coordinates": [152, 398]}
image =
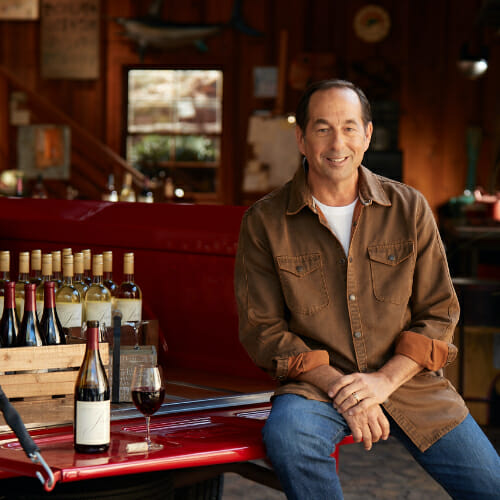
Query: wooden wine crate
{"type": "Point", "coordinates": [43, 372]}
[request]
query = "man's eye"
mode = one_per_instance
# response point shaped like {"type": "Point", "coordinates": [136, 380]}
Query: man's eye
{"type": "Point", "coordinates": [322, 131]}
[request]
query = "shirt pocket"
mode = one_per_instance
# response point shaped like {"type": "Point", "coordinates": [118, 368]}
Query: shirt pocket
{"type": "Point", "coordinates": [303, 282]}
{"type": "Point", "coordinates": [392, 267]}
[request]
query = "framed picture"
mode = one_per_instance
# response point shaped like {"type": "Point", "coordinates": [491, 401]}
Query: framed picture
{"type": "Point", "coordinates": [19, 10]}
{"type": "Point", "coordinates": [44, 150]}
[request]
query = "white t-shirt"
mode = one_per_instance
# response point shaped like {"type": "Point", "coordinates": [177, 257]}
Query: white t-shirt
{"type": "Point", "coordinates": [339, 220]}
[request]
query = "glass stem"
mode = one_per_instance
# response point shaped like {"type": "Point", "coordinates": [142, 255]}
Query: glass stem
{"type": "Point", "coordinates": [148, 440]}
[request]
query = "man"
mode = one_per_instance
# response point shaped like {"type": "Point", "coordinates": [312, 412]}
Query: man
{"type": "Point", "coordinates": [345, 297]}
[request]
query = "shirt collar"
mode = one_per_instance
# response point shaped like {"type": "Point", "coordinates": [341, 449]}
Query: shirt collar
{"type": "Point", "coordinates": [370, 190]}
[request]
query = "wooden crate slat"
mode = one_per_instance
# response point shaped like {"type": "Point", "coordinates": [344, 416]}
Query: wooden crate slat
{"type": "Point", "coordinates": [18, 364]}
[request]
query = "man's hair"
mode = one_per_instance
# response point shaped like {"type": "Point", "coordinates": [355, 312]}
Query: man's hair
{"type": "Point", "coordinates": [302, 112]}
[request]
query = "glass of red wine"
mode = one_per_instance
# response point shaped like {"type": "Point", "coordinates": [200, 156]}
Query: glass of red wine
{"type": "Point", "coordinates": [148, 391]}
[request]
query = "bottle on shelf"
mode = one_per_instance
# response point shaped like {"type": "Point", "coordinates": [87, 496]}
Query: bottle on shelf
{"type": "Point", "coordinates": [69, 300]}
{"type": "Point", "coordinates": [9, 324]}
{"type": "Point", "coordinates": [78, 279]}
{"type": "Point", "coordinates": [110, 194]}
{"type": "Point", "coordinates": [87, 266]}
{"type": "Point", "coordinates": [29, 332]}
{"type": "Point", "coordinates": [51, 329]}
{"type": "Point", "coordinates": [4, 275]}
{"type": "Point", "coordinates": [146, 195]}
{"type": "Point", "coordinates": [98, 297]}
{"type": "Point", "coordinates": [92, 399]}
{"type": "Point", "coordinates": [22, 279]}
{"type": "Point", "coordinates": [46, 276]}
{"type": "Point", "coordinates": [127, 192]}
{"type": "Point", "coordinates": [108, 271]}
{"type": "Point", "coordinates": [36, 267]}
{"type": "Point", "coordinates": [128, 296]}
{"type": "Point", "coordinates": [66, 251]}
{"type": "Point", "coordinates": [56, 268]}
{"type": "Point", "coordinates": [39, 190]}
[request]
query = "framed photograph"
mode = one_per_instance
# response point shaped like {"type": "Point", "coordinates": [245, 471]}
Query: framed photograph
{"type": "Point", "coordinates": [44, 150]}
{"type": "Point", "coordinates": [19, 10]}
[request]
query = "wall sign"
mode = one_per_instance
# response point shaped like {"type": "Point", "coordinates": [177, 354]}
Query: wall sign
{"type": "Point", "coordinates": [70, 39]}
{"type": "Point", "coordinates": [18, 10]}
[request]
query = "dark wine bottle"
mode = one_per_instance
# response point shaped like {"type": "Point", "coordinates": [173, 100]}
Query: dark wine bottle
{"type": "Point", "coordinates": [92, 401]}
{"type": "Point", "coordinates": [50, 326]}
{"type": "Point", "coordinates": [29, 333]}
{"type": "Point", "coordinates": [9, 324]}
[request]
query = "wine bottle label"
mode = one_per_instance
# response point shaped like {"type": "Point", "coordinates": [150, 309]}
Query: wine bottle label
{"type": "Point", "coordinates": [19, 307]}
{"type": "Point", "coordinates": [70, 315]}
{"type": "Point", "coordinates": [98, 311]}
{"type": "Point", "coordinates": [131, 309]}
{"type": "Point", "coordinates": [92, 422]}
{"type": "Point", "coordinates": [39, 310]}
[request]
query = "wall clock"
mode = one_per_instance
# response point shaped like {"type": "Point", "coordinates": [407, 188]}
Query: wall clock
{"type": "Point", "coordinates": [372, 23]}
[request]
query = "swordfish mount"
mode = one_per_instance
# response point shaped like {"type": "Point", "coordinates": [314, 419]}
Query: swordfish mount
{"type": "Point", "coordinates": [151, 31]}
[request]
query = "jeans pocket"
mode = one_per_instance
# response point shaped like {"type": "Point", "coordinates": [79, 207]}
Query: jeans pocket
{"type": "Point", "coordinates": [392, 266]}
{"type": "Point", "coordinates": [303, 282]}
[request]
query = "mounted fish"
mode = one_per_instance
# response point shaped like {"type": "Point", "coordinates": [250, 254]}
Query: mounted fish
{"type": "Point", "coordinates": [151, 31]}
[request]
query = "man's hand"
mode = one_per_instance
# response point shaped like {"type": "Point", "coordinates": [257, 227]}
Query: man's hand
{"type": "Point", "coordinates": [368, 426]}
{"type": "Point", "coordinates": [357, 392]}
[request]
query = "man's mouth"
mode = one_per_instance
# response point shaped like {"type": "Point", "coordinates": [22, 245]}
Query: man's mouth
{"type": "Point", "coordinates": [337, 160]}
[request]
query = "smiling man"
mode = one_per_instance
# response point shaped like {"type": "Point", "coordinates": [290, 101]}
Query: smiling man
{"type": "Point", "coordinates": [344, 296]}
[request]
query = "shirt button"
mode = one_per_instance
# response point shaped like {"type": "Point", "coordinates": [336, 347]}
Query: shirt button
{"type": "Point", "coordinates": [357, 334]}
{"type": "Point", "coordinates": [342, 261]}
{"type": "Point", "coordinates": [352, 297]}
{"type": "Point", "coordinates": [391, 257]}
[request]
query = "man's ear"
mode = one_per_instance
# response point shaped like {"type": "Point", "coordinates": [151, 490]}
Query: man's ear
{"type": "Point", "coordinates": [299, 136]}
{"type": "Point", "coordinates": [368, 134]}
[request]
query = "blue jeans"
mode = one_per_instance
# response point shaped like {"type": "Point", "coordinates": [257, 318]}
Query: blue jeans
{"type": "Point", "coordinates": [301, 434]}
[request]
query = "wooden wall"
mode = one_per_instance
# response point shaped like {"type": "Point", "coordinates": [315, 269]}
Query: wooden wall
{"type": "Point", "coordinates": [415, 65]}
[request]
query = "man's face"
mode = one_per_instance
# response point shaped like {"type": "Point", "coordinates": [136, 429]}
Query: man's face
{"type": "Point", "coordinates": [335, 138]}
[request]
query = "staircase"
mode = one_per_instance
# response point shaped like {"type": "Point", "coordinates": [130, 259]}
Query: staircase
{"type": "Point", "coordinates": [91, 160]}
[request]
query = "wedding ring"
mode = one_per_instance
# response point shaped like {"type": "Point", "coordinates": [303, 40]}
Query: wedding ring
{"type": "Point", "coordinates": [355, 396]}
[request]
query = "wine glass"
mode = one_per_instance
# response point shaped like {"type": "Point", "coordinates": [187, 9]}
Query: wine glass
{"type": "Point", "coordinates": [148, 392]}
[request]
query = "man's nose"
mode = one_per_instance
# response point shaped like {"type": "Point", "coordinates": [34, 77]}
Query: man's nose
{"type": "Point", "coordinates": [336, 140]}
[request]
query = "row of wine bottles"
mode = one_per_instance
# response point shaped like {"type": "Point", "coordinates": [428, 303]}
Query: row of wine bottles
{"type": "Point", "coordinates": [76, 298]}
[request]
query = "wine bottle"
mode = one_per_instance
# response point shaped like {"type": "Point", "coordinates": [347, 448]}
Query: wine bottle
{"type": "Point", "coordinates": [51, 329]}
{"type": "Point", "coordinates": [9, 324]}
{"type": "Point", "coordinates": [22, 279]}
{"type": "Point", "coordinates": [111, 194]}
{"type": "Point", "coordinates": [127, 192]}
{"type": "Point", "coordinates": [36, 267]}
{"type": "Point", "coordinates": [68, 299]}
{"type": "Point", "coordinates": [98, 297]}
{"type": "Point", "coordinates": [92, 401]}
{"type": "Point", "coordinates": [128, 296]}
{"type": "Point", "coordinates": [29, 332]}
{"type": "Point", "coordinates": [56, 268]}
{"type": "Point", "coordinates": [108, 272]}
{"type": "Point", "coordinates": [87, 260]}
{"type": "Point", "coordinates": [4, 275]}
{"type": "Point", "coordinates": [66, 251]}
{"type": "Point", "coordinates": [46, 276]}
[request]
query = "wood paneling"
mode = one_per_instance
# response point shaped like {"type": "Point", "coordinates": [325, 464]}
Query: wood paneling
{"type": "Point", "coordinates": [418, 61]}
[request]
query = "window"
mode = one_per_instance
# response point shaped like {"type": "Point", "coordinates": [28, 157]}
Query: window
{"type": "Point", "coordinates": [174, 126]}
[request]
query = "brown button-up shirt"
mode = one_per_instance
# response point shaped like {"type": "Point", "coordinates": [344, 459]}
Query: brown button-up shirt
{"type": "Point", "coordinates": [303, 302]}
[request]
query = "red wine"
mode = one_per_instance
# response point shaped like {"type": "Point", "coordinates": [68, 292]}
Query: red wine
{"type": "Point", "coordinates": [50, 326]}
{"type": "Point", "coordinates": [9, 324]}
{"type": "Point", "coordinates": [92, 401]}
{"type": "Point", "coordinates": [147, 400]}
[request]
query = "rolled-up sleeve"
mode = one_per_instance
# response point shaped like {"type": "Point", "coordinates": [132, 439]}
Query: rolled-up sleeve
{"type": "Point", "coordinates": [432, 354]}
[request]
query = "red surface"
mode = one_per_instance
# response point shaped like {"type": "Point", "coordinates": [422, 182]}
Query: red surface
{"type": "Point", "coordinates": [184, 260]}
{"type": "Point", "coordinates": [190, 440]}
